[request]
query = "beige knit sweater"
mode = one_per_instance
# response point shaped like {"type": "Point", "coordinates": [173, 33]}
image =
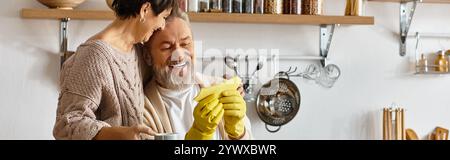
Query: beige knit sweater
{"type": "Point", "coordinates": [99, 87]}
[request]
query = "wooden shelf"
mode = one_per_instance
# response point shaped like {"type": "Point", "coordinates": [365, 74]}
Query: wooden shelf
{"type": "Point", "coordinates": [72, 14]}
{"type": "Point", "coordinates": [423, 1]}
{"type": "Point", "coordinates": [206, 17]}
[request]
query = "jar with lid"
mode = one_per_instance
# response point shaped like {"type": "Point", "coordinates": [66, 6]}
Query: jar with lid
{"type": "Point", "coordinates": [204, 5]}
{"type": "Point", "coordinates": [227, 6]}
{"type": "Point", "coordinates": [193, 6]}
{"type": "Point", "coordinates": [312, 7]}
{"type": "Point", "coordinates": [215, 5]}
{"type": "Point", "coordinates": [248, 6]}
{"type": "Point", "coordinates": [273, 6]}
{"type": "Point", "coordinates": [237, 6]}
{"type": "Point", "coordinates": [441, 62]}
{"type": "Point", "coordinates": [259, 7]}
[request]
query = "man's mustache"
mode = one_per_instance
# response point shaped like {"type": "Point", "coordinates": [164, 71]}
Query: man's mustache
{"type": "Point", "coordinates": [174, 60]}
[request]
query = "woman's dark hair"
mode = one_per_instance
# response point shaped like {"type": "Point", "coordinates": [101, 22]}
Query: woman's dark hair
{"type": "Point", "coordinates": [125, 9]}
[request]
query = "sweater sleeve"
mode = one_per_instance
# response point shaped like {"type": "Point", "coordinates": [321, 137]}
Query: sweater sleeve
{"type": "Point", "coordinates": [83, 78]}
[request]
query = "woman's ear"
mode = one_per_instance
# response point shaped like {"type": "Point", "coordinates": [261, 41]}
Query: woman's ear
{"type": "Point", "coordinates": [145, 10]}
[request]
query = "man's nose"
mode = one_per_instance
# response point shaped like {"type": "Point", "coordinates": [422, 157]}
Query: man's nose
{"type": "Point", "coordinates": [178, 55]}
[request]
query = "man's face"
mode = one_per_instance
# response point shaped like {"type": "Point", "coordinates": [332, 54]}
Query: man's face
{"type": "Point", "coordinates": [172, 54]}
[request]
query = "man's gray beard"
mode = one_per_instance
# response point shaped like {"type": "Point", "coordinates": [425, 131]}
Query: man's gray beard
{"type": "Point", "coordinates": [174, 81]}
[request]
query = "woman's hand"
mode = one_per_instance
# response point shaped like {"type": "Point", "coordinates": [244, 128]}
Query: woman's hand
{"type": "Point", "coordinates": [123, 133]}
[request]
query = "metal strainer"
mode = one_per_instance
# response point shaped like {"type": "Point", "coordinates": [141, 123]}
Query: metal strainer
{"type": "Point", "coordinates": [278, 101]}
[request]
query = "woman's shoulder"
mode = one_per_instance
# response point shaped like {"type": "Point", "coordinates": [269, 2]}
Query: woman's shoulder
{"type": "Point", "coordinates": [87, 66]}
{"type": "Point", "coordinates": [94, 48]}
{"type": "Point", "coordinates": [91, 54]}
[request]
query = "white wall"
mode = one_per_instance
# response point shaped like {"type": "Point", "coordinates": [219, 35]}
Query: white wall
{"type": "Point", "coordinates": [374, 75]}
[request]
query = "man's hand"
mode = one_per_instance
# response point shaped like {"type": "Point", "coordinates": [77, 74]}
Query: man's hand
{"type": "Point", "coordinates": [241, 86]}
{"type": "Point", "coordinates": [235, 110]}
{"type": "Point", "coordinates": [123, 133]}
{"type": "Point", "coordinates": [207, 115]}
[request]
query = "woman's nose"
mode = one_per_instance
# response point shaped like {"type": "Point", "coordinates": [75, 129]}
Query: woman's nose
{"type": "Point", "coordinates": [163, 26]}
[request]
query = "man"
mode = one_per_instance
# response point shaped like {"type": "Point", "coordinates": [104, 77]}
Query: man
{"type": "Point", "coordinates": [170, 105]}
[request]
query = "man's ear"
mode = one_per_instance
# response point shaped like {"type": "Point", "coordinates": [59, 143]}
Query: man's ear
{"type": "Point", "coordinates": [146, 10]}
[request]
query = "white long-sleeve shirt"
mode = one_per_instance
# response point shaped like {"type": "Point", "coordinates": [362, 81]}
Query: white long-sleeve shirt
{"type": "Point", "coordinates": [180, 106]}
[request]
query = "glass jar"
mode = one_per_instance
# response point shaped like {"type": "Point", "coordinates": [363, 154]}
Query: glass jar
{"type": "Point", "coordinates": [296, 6]}
{"type": "Point", "coordinates": [237, 6]}
{"type": "Point", "coordinates": [286, 6]}
{"type": "Point", "coordinates": [441, 62]}
{"type": "Point", "coordinates": [227, 6]}
{"type": "Point", "coordinates": [193, 6]}
{"type": "Point", "coordinates": [248, 6]}
{"type": "Point", "coordinates": [447, 54]}
{"type": "Point", "coordinates": [259, 7]}
{"type": "Point", "coordinates": [422, 65]}
{"type": "Point", "coordinates": [312, 7]}
{"type": "Point", "coordinates": [215, 5]}
{"type": "Point", "coordinates": [204, 5]}
{"type": "Point", "coordinates": [273, 6]}
{"type": "Point", "coordinates": [292, 6]}
{"type": "Point", "coordinates": [354, 8]}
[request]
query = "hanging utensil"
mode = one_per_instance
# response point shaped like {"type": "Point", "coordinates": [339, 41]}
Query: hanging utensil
{"type": "Point", "coordinates": [259, 66]}
{"type": "Point", "coordinates": [232, 63]}
{"type": "Point", "coordinates": [278, 102]}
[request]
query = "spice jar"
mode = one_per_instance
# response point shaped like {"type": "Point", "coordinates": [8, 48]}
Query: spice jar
{"type": "Point", "coordinates": [312, 7]}
{"type": "Point", "coordinates": [258, 6]}
{"type": "Point", "coordinates": [354, 8]}
{"type": "Point", "coordinates": [204, 5]}
{"type": "Point", "coordinates": [296, 6]}
{"type": "Point", "coordinates": [441, 62]}
{"type": "Point", "coordinates": [193, 6]}
{"type": "Point", "coordinates": [237, 6]}
{"type": "Point", "coordinates": [286, 6]}
{"type": "Point", "coordinates": [248, 6]}
{"type": "Point", "coordinates": [227, 6]}
{"type": "Point", "coordinates": [292, 6]}
{"type": "Point", "coordinates": [273, 6]}
{"type": "Point", "coordinates": [215, 5]}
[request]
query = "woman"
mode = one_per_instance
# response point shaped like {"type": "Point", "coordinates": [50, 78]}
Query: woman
{"type": "Point", "coordinates": [101, 85]}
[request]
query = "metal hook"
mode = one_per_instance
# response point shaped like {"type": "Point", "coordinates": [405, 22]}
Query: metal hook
{"type": "Point", "coordinates": [289, 71]}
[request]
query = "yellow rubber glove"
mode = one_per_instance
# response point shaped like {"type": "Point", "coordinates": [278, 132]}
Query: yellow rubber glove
{"type": "Point", "coordinates": [207, 115]}
{"type": "Point", "coordinates": [231, 84]}
{"type": "Point", "coordinates": [235, 109]}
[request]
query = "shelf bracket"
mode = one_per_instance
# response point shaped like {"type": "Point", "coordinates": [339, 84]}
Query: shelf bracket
{"type": "Point", "coordinates": [326, 36]}
{"type": "Point", "coordinates": [63, 39]}
{"type": "Point", "coordinates": [406, 16]}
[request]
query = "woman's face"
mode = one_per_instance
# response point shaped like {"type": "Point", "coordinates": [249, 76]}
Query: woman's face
{"type": "Point", "coordinates": [153, 23]}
